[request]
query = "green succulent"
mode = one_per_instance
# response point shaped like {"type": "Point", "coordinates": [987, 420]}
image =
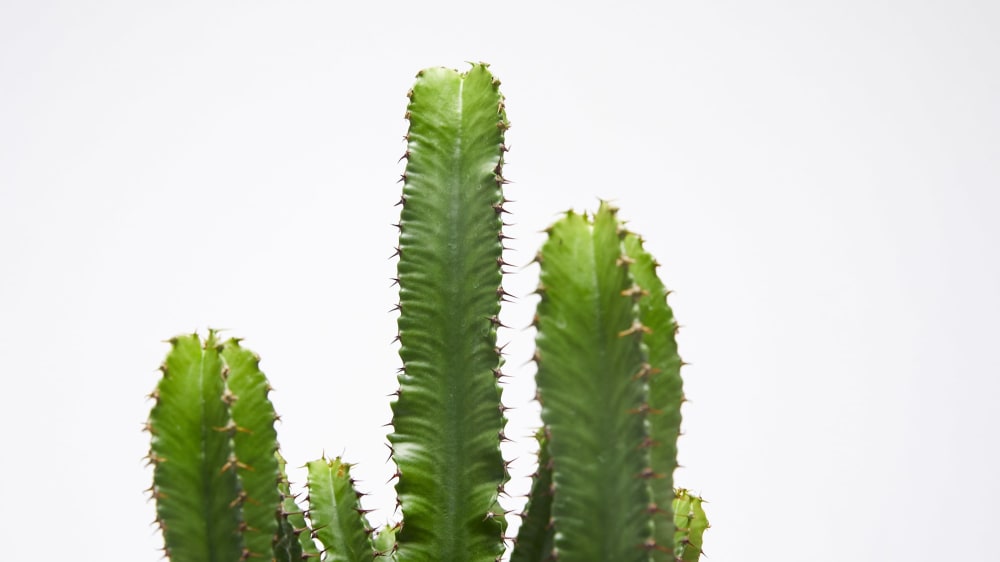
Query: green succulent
{"type": "Point", "coordinates": [608, 382]}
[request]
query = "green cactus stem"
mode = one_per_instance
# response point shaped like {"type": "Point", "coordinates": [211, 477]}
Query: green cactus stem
{"type": "Point", "coordinates": [447, 418]}
{"type": "Point", "coordinates": [535, 537]}
{"type": "Point", "coordinates": [294, 541]}
{"type": "Point", "coordinates": [691, 522]}
{"type": "Point", "coordinates": [592, 390]}
{"type": "Point", "coordinates": [665, 391]}
{"type": "Point", "coordinates": [385, 543]}
{"type": "Point", "coordinates": [335, 512]}
{"type": "Point", "coordinates": [255, 443]}
{"type": "Point", "coordinates": [195, 482]}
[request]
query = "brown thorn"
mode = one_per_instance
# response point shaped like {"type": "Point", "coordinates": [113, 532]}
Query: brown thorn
{"type": "Point", "coordinates": [635, 328]}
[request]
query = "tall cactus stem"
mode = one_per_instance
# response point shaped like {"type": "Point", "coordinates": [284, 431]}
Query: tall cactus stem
{"type": "Point", "coordinates": [589, 350]}
{"type": "Point", "coordinates": [447, 426]}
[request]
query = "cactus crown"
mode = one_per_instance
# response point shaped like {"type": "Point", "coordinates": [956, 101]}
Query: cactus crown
{"type": "Point", "coordinates": [608, 381]}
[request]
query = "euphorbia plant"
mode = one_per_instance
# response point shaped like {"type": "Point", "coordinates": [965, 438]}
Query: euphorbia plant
{"type": "Point", "coordinates": [608, 381]}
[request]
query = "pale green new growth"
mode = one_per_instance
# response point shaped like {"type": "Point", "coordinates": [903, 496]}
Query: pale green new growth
{"type": "Point", "coordinates": [335, 512]}
{"type": "Point", "coordinates": [689, 517]}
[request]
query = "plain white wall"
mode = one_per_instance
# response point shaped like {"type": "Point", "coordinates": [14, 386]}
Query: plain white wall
{"type": "Point", "coordinates": [820, 179]}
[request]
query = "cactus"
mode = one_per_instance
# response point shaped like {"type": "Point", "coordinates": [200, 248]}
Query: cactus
{"type": "Point", "coordinates": [608, 381]}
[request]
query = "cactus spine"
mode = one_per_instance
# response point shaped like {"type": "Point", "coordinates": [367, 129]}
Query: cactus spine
{"type": "Point", "coordinates": [608, 381]}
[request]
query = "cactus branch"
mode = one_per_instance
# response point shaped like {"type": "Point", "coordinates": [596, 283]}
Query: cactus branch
{"type": "Point", "coordinates": [588, 354]}
{"type": "Point", "coordinates": [665, 391]}
{"type": "Point", "coordinates": [446, 419]}
{"type": "Point", "coordinates": [194, 478]}
{"type": "Point", "coordinates": [535, 537]}
{"type": "Point", "coordinates": [335, 512]}
{"type": "Point", "coordinates": [254, 445]}
{"type": "Point", "coordinates": [691, 522]}
{"type": "Point", "coordinates": [294, 542]}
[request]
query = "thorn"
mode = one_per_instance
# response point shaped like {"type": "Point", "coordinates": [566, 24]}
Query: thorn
{"type": "Point", "coordinates": [635, 328]}
{"type": "Point", "coordinates": [647, 474]}
{"type": "Point", "coordinates": [645, 371]}
{"type": "Point", "coordinates": [240, 498]}
{"type": "Point", "coordinates": [645, 409]}
{"type": "Point", "coordinates": [635, 292]}
{"type": "Point", "coordinates": [229, 427]}
{"type": "Point", "coordinates": [648, 443]}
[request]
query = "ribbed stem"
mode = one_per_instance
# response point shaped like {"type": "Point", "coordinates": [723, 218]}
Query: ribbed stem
{"type": "Point", "coordinates": [592, 391]}
{"type": "Point", "coordinates": [447, 419]}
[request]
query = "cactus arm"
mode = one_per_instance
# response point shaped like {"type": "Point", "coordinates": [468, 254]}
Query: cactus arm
{"type": "Point", "coordinates": [590, 386]}
{"type": "Point", "coordinates": [286, 544]}
{"type": "Point", "coordinates": [294, 542]}
{"type": "Point", "coordinates": [535, 537]}
{"type": "Point", "coordinates": [195, 486]}
{"type": "Point", "coordinates": [691, 522]}
{"type": "Point", "coordinates": [447, 420]}
{"type": "Point", "coordinates": [385, 543]}
{"type": "Point", "coordinates": [665, 391]}
{"type": "Point", "coordinates": [255, 442]}
{"type": "Point", "coordinates": [335, 512]}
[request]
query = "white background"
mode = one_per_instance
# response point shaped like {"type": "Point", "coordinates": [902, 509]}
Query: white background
{"type": "Point", "coordinates": [820, 179]}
